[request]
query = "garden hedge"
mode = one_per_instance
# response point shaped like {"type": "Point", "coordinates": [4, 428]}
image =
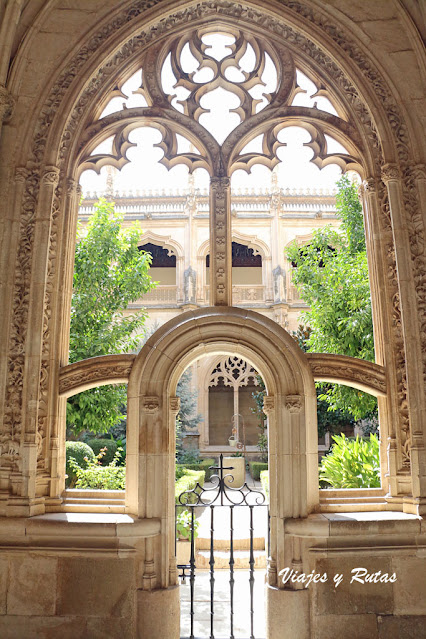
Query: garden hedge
{"type": "Point", "coordinates": [111, 448]}
{"type": "Point", "coordinates": [202, 465]}
{"type": "Point", "coordinates": [188, 481]}
{"type": "Point", "coordinates": [256, 468]}
{"type": "Point", "coordinates": [78, 451]}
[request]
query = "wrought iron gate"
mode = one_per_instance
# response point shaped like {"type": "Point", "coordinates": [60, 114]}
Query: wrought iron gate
{"type": "Point", "coordinates": [220, 494]}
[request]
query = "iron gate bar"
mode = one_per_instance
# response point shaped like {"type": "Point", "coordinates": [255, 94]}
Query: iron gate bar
{"type": "Point", "coordinates": [251, 578]}
{"type": "Point", "coordinates": [211, 562]}
{"type": "Point", "coordinates": [231, 569]}
{"type": "Point", "coordinates": [226, 495]}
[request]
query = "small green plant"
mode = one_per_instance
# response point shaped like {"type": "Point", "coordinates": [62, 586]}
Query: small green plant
{"type": "Point", "coordinates": [98, 477]}
{"type": "Point", "coordinates": [352, 463]}
{"type": "Point", "coordinates": [108, 445]}
{"type": "Point", "coordinates": [183, 525]}
{"type": "Point", "coordinates": [77, 453]}
{"type": "Point", "coordinates": [256, 468]}
{"type": "Point", "coordinates": [264, 480]}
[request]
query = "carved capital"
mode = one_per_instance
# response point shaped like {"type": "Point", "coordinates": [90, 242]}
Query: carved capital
{"type": "Point", "coordinates": [220, 183]}
{"type": "Point", "coordinates": [71, 186]}
{"type": "Point", "coordinates": [50, 176]}
{"type": "Point", "coordinates": [293, 403]}
{"type": "Point", "coordinates": [150, 404]}
{"type": "Point", "coordinates": [369, 185]}
{"type": "Point", "coordinates": [268, 404]}
{"type": "Point", "coordinates": [174, 403]}
{"type": "Point", "coordinates": [7, 102]}
{"type": "Point", "coordinates": [390, 172]}
{"type": "Point", "coordinates": [21, 174]}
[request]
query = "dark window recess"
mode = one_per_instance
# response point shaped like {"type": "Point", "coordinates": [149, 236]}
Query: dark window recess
{"type": "Point", "coordinates": [160, 256]}
{"type": "Point", "coordinates": [241, 256]}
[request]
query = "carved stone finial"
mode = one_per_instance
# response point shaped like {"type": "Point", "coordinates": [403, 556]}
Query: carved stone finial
{"type": "Point", "coordinates": [50, 175]}
{"type": "Point", "coordinates": [293, 403]}
{"type": "Point", "coordinates": [390, 172]}
{"type": "Point", "coordinates": [7, 102]}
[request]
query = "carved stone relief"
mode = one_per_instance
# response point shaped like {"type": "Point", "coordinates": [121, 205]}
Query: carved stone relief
{"type": "Point", "coordinates": [295, 41]}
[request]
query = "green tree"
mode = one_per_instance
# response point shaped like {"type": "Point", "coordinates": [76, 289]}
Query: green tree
{"type": "Point", "coordinates": [331, 274]}
{"type": "Point", "coordinates": [110, 272]}
{"type": "Point", "coordinates": [187, 418]}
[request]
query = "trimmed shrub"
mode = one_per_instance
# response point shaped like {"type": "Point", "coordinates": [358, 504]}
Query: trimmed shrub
{"type": "Point", "coordinates": [264, 479]}
{"type": "Point", "coordinates": [82, 454]}
{"type": "Point", "coordinates": [256, 468]}
{"type": "Point", "coordinates": [111, 448]}
{"type": "Point", "coordinates": [352, 463]}
{"type": "Point", "coordinates": [203, 464]}
{"type": "Point", "coordinates": [188, 481]}
{"type": "Point", "coordinates": [102, 477]}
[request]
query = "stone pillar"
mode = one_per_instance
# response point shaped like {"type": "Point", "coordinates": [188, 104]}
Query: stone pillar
{"type": "Point", "coordinates": [414, 436]}
{"type": "Point", "coordinates": [381, 312]}
{"type": "Point", "coordinates": [220, 242]}
{"type": "Point", "coordinates": [269, 410]}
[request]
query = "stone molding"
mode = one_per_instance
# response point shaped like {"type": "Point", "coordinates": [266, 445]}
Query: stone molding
{"type": "Point", "coordinates": [293, 403]}
{"type": "Point", "coordinates": [351, 371]}
{"type": "Point", "coordinates": [96, 371]}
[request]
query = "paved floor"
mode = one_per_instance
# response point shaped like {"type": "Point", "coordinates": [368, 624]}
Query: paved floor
{"type": "Point", "coordinates": [222, 613]}
{"type": "Point", "coordinates": [202, 617]}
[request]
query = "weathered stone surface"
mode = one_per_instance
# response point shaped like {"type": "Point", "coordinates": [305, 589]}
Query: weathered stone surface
{"type": "Point", "coordinates": [32, 586]}
{"type": "Point", "coordinates": [95, 587]}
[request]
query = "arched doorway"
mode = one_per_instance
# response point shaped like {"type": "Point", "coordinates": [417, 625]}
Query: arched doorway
{"type": "Point", "coordinates": [152, 407]}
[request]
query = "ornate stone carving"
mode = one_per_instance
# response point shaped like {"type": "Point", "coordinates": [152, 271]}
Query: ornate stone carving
{"type": "Point", "coordinates": [345, 369]}
{"type": "Point", "coordinates": [278, 30]}
{"type": "Point", "coordinates": [7, 102]}
{"type": "Point", "coordinates": [150, 404]}
{"type": "Point", "coordinates": [79, 375]}
{"type": "Point", "coordinates": [21, 174]}
{"type": "Point", "coordinates": [268, 404]}
{"type": "Point", "coordinates": [370, 185]}
{"type": "Point", "coordinates": [50, 175]}
{"type": "Point", "coordinates": [190, 285]}
{"type": "Point", "coordinates": [233, 371]}
{"type": "Point", "coordinates": [390, 172]}
{"type": "Point", "coordinates": [174, 403]}
{"type": "Point", "coordinates": [293, 403]}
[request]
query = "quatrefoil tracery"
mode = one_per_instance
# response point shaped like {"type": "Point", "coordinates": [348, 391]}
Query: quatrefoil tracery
{"type": "Point", "coordinates": [207, 153]}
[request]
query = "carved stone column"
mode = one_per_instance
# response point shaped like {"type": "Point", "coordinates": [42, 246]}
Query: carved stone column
{"type": "Point", "coordinates": [271, 574]}
{"type": "Point", "coordinates": [388, 407]}
{"type": "Point", "coordinates": [220, 242]}
{"type": "Point", "coordinates": [410, 323]}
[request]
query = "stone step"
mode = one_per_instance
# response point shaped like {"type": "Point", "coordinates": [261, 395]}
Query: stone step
{"type": "Point", "coordinates": [93, 508]}
{"type": "Point", "coordinates": [221, 559]}
{"type": "Point", "coordinates": [203, 543]}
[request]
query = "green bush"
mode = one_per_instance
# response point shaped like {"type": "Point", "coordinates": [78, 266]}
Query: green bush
{"type": "Point", "coordinates": [183, 525]}
{"type": "Point", "coordinates": [264, 479]}
{"type": "Point", "coordinates": [109, 444]}
{"type": "Point", "coordinates": [203, 464]}
{"type": "Point", "coordinates": [188, 481]}
{"type": "Point", "coordinates": [82, 454]}
{"type": "Point", "coordinates": [256, 468]}
{"type": "Point", "coordinates": [352, 463]}
{"type": "Point", "coordinates": [97, 477]}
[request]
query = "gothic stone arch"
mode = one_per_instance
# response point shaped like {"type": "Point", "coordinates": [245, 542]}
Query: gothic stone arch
{"type": "Point", "coordinates": [152, 408]}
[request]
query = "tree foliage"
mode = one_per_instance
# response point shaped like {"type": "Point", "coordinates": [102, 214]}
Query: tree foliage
{"type": "Point", "coordinates": [352, 463]}
{"type": "Point", "coordinates": [187, 418]}
{"type": "Point", "coordinates": [331, 274]}
{"type": "Point", "coordinates": [110, 272]}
